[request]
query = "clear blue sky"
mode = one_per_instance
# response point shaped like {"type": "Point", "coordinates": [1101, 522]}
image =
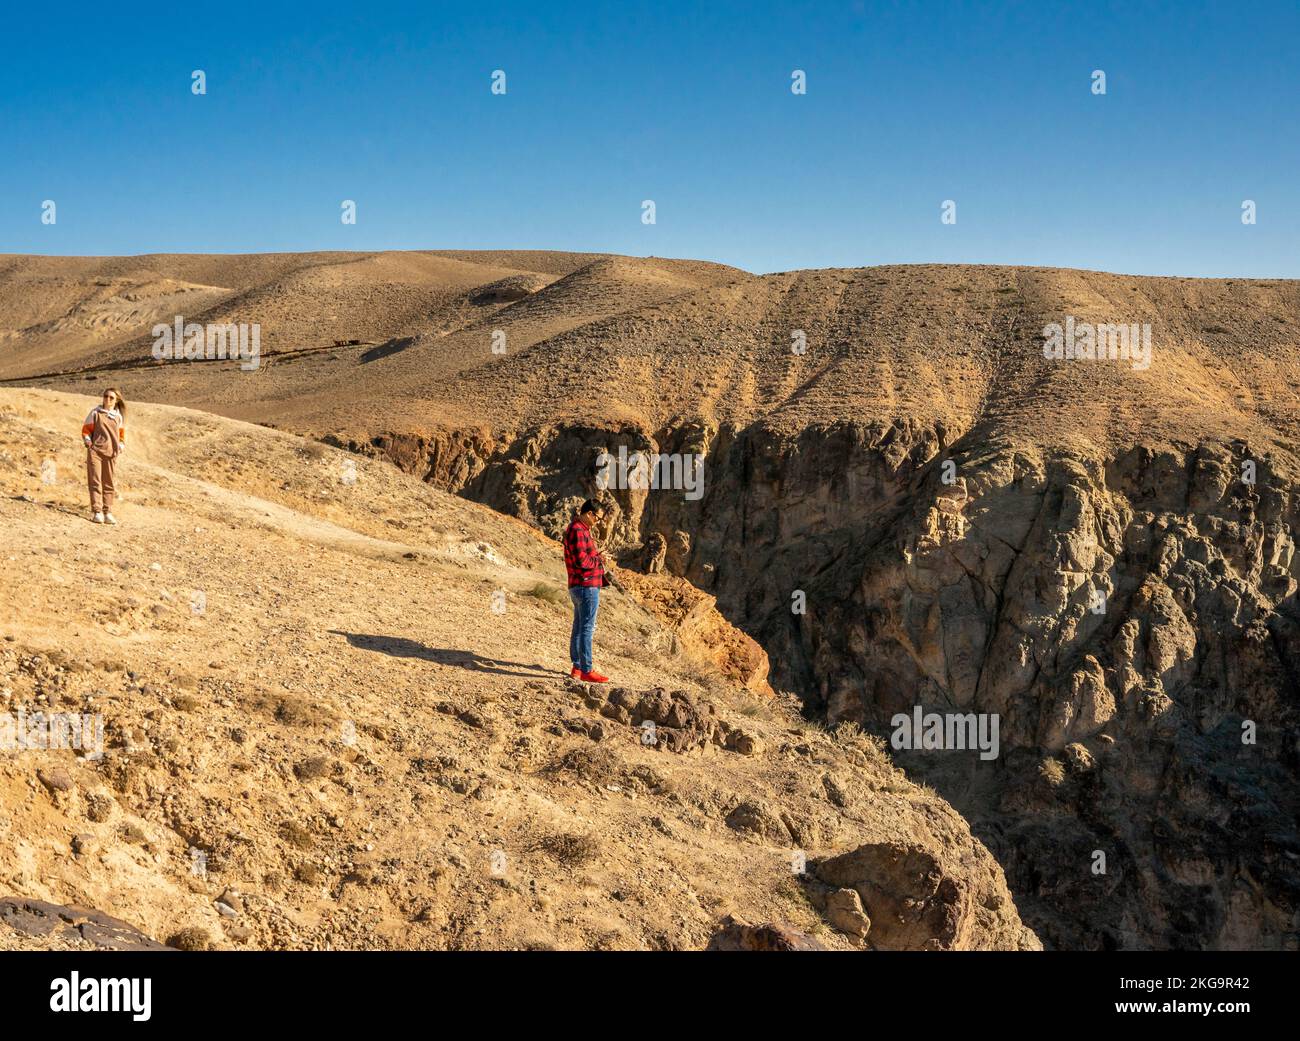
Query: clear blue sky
{"type": "Point", "coordinates": [908, 104]}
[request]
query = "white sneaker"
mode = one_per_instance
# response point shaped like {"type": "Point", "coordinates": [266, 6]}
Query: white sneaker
{"type": "Point", "coordinates": [109, 519]}
{"type": "Point", "coordinates": [97, 519]}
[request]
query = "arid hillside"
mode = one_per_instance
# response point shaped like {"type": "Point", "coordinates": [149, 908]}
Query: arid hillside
{"type": "Point", "coordinates": [654, 343]}
{"type": "Point", "coordinates": [336, 713]}
{"type": "Point", "coordinates": [907, 500]}
{"type": "Point", "coordinates": [416, 321]}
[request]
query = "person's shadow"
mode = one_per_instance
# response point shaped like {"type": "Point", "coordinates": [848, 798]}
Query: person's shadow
{"type": "Point", "coordinates": [400, 647]}
{"type": "Point", "coordinates": [58, 507]}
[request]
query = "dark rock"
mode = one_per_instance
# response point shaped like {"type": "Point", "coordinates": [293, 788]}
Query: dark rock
{"type": "Point", "coordinates": [735, 935]}
{"type": "Point", "coordinates": [38, 918]}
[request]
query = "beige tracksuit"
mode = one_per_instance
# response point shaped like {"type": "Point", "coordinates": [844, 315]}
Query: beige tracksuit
{"type": "Point", "coordinates": [104, 432]}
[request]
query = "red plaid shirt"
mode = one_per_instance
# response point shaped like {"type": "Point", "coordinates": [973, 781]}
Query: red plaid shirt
{"type": "Point", "coordinates": [582, 560]}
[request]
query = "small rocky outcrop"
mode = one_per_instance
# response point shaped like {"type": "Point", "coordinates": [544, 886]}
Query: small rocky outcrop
{"type": "Point", "coordinates": [78, 927]}
{"type": "Point", "coordinates": [901, 897]}
{"type": "Point", "coordinates": [675, 721]}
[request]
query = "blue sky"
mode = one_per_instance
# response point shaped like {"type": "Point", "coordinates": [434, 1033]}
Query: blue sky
{"type": "Point", "coordinates": [908, 104]}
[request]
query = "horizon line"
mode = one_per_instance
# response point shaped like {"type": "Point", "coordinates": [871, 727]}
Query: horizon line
{"type": "Point", "coordinates": [651, 256]}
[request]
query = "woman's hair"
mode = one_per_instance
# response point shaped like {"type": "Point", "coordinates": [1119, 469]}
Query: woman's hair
{"type": "Point", "coordinates": [121, 401]}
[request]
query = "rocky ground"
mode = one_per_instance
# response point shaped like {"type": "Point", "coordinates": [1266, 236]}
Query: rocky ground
{"type": "Point", "coordinates": [336, 714]}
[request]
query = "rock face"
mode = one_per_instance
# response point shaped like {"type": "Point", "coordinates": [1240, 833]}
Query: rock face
{"type": "Point", "coordinates": [1133, 626]}
{"type": "Point", "coordinates": [901, 899]}
{"type": "Point", "coordinates": [1129, 617]}
{"type": "Point", "coordinates": [700, 628]}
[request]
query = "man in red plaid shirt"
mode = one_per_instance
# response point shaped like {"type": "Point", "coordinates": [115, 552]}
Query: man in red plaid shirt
{"type": "Point", "coordinates": [586, 570]}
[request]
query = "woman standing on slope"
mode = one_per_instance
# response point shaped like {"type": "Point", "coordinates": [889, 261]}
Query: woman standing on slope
{"type": "Point", "coordinates": [104, 432]}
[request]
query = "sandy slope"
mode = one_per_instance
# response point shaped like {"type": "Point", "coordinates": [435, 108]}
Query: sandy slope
{"type": "Point", "coordinates": [302, 677]}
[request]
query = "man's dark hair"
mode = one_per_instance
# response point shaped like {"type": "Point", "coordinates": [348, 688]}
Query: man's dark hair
{"type": "Point", "coordinates": [590, 506]}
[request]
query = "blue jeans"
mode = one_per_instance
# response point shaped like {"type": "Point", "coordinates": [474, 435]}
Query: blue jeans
{"type": "Point", "coordinates": [586, 600]}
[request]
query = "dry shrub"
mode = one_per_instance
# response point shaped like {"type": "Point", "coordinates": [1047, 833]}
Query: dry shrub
{"type": "Point", "coordinates": [570, 848]}
{"type": "Point", "coordinates": [545, 591]}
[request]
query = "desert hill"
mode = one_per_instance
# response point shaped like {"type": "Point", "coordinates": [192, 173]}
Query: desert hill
{"type": "Point", "coordinates": [68, 314]}
{"type": "Point", "coordinates": [319, 733]}
{"type": "Point", "coordinates": [599, 339]}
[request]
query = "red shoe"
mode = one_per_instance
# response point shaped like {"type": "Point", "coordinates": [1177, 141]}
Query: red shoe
{"type": "Point", "coordinates": [593, 677]}
{"type": "Point", "coordinates": [576, 672]}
